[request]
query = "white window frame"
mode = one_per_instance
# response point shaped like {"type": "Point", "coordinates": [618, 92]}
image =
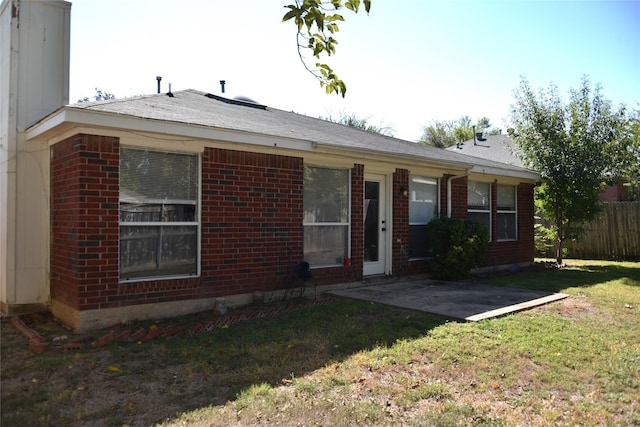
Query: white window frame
{"type": "Point", "coordinates": [513, 212]}
{"type": "Point", "coordinates": [346, 223]}
{"type": "Point", "coordinates": [437, 205]}
{"type": "Point", "coordinates": [164, 224]}
{"type": "Point", "coordinates": [482, 211]}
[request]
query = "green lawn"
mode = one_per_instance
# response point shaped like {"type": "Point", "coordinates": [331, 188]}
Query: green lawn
{"type": "Point", "coordinates": [572, 362]}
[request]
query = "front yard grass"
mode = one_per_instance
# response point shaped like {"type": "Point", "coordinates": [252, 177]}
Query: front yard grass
{"type": "Point", "coordinates": [571, 362]}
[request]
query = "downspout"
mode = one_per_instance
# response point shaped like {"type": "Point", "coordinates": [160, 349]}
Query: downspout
{"type": "Point", "coordinates": [451, 178]}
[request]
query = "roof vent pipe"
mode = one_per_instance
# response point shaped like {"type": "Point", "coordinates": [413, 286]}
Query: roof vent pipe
{"type": "Point", "coordinates": [158, 79]}
{"type": "Point", "coordinates": [474, 136]}
{"type": "Point", "coordinates": [222, 83]}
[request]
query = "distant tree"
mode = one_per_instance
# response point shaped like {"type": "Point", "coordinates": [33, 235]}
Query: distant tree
{"type": "Point", "coordinates": [355, 122]}
{"type": "Point", "coordinates": [439, 134]}
{"type": "Point", "coordinates": [484, 125]}
{"type": "Point", "coordinates": [443, 134]}
{"type": "Point", "coordinates": [98, 96]}
{"type": "Point", "coordinates": [572, 146]}
{"type": "Point", "coordinates": [317, 22]}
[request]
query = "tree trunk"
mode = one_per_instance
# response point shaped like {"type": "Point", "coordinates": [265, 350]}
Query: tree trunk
{"type": "Point", "coordinates": [560, 232]}
{"type": "Point", "coordinates": [559, 259]}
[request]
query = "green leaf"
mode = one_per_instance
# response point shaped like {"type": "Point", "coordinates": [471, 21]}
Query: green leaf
{"type": "Point", "coordinates": [334, 17]}
{"type": "Point", "coordinates": [293, 13]}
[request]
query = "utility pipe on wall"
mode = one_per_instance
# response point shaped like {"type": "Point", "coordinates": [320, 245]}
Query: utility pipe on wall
{"type": "Point", "coordinates": [451, 178]}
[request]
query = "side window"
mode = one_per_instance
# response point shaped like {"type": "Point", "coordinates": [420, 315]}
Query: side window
{"type": "Point", "coordinates": [158, 214]}
{"type": "Point", "coordinates": [423, 207]}
{"type": "Point", "coordinates": [326, 215]}
{"type": "Point", "coordinates": [479, 203]}
{"type": "Point", "coordinates": [506, 224]}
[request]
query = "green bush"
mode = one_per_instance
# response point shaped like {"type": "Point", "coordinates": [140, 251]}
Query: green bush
{"type": "Point", "coordinates": [457, 246]}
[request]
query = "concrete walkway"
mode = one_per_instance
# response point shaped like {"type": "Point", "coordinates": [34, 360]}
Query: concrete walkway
{"type": "Point", "coordinates": [461, 301]}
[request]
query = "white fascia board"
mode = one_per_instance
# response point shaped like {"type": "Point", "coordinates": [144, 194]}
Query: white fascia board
{"type": "Point", "coordinates": [399, 159]}
{"type": "Point", "coordinates": [83, 117]}
{"type": "Point", "coordinates": [511, 173]}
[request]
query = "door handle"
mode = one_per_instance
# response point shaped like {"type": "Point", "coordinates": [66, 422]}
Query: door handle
{"type": "Point", "coordinates": [384, 229]}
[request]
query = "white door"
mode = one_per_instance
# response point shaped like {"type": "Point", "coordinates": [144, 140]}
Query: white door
{"type": "Point", "coordinates": [375, 225]}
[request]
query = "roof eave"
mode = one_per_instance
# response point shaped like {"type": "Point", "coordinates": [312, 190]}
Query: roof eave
{"type": "Point", "coordinates": [82, 117]}
{"type": "Point", "coordinates": [520, 173]}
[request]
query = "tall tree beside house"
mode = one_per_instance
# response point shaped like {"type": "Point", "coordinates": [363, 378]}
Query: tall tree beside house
{"type": "Point", "coordinates": [571, 145]}
{"type": "Point", "coordinates": [317, 23]}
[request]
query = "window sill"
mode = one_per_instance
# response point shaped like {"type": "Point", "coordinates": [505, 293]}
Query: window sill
{"type": "Point", "coordinates": [157, 278]}
{"type": "Point", "coordinates": [427, 258]}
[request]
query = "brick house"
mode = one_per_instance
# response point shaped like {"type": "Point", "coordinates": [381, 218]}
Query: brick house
{"type": "Point", "coordinates": [157, 205]}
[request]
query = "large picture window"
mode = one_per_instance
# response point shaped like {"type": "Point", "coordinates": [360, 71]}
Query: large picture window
{"type": "Point", "coordinates": [506, 224]}
{"type": "Point", "coordinates": [423, 207]}
{"type": "Point", "coordinates": [326, 215]}
{"type": "Point", "coordinates": [479, 203]}
{"type": "Point", "coordinates": [158, 214]}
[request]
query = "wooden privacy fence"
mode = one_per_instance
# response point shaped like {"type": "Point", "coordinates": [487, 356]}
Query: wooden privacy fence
{"type": "Point", "coordinates": [615, 235]}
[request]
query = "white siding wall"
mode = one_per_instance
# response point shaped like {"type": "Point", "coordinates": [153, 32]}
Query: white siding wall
{"type": "Point", "coordinates": [34, 82]}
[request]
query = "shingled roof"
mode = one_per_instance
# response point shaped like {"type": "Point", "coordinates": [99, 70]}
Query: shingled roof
{"type": "Point", "coordinates": [499, 148]}
{"type": "Point", "coordinates": [192, 107]}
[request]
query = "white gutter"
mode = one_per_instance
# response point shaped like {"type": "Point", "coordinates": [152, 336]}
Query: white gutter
{"type": "Point", "coordinates": [451, 178]}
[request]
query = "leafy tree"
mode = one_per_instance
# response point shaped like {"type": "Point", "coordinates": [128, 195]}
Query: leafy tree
{"type": "Point", "coordinates": [438, 134]}
{"type": "Point", "coordinates": [99, 96]}
{"type": "Point", "coordinates": [354, 121]}
{"type": "Point", "coordinates": [443, 134]}
{"type": "Point", "coordinates": [572, 146]}
{"type": "Point", "coordinates": [627, 155]}
{"type": "Point", "coordinates": [317, 23]}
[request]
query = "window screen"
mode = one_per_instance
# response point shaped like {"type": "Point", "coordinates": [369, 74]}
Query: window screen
{"type": "Point", "coordinates": [479, 203]}
{"type": "Point", "coordinates": [506, 224]}
{"type": "Point", "coordinates": [158, 214]}
{"type": "Point", "coordinates": [326, 215]}
{"type": "Point", "coordinates": [423, 207]}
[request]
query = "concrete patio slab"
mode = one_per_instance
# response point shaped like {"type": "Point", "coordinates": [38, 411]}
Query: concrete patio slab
{"type": "Point", "coordinates": [462, 301]}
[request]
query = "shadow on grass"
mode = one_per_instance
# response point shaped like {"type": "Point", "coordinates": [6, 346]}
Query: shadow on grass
{"type": "Point", "coordinates": [143, 384]}
{"type": "Point", "coordinates": [544, 276]}
{"type": "Point", "coordinates": [276, 349]}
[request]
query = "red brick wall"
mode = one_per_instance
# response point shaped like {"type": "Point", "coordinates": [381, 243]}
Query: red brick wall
{"type": "Point", "coordinates": [400, 265]}
{"type": "Point", "coordinates": [252, 212]}
{"type": "Point", "coordinates": [251, 235]}
{"type": "Point", "coordinates": [458, 196]}
{"type": "Point", "coordinates": [84, 220]}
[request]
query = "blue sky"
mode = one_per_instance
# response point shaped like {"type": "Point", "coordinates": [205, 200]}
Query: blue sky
{"type": "Point", "coordinates": [407, 63]}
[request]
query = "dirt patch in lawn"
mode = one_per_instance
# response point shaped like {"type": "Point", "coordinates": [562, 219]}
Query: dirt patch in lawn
{"type": "Point", "coordinates": [574, 307]}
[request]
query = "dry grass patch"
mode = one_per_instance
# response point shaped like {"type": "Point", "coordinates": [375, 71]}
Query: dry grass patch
{"type": "Point", "coordinates": [572, 362]}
